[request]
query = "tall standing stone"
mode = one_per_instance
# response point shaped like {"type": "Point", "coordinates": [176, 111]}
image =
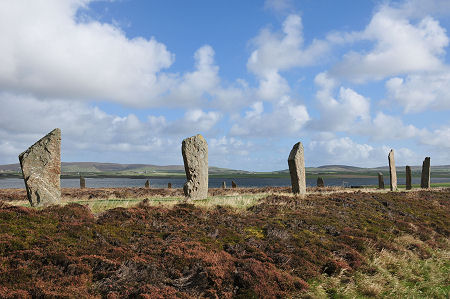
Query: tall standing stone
{"type": "Point", "coordinates": [224, 185]}
{"type": "Point", "coordinates": [82, 182]}
{"type": "Point", "coordinates": [195, 157]}
{"type": "Point", "coordinates": [425, 179]}
{"type": "Point", "coordinates": [320, 182]}
{"type": "Point", "coordinates": [380, 181]}
{"type": "Point", "coordinates": [296, 162]}
{"type": "Point", "coordinates": [392, 171]}
{"type": "Point", "coordinates": [147, 184]}
{"type": "Point", "coordinates": [233, 184]}
{"type": "Point", "coordinates": [408, 178]}
{"type": "Point", "coordinates": [41, 169]}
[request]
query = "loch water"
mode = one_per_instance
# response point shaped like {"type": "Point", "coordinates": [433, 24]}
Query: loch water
{"type": "Point", "coordinates": [178, 182]}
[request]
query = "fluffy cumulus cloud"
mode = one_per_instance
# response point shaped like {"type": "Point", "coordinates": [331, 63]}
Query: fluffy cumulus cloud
{"type": "Point", "coordinates": [89, 129]}
{"type": "Point", "coordinates": [46, 50]}
{"type": "Point", "coordinates": [439, 138]}
{"type": "Point", "coordinates": [343, 113]}
{"type": "Point", "coordinates": [286, 119]}
{"type": "Point", "coordinates": [400, 46]}
{"type": "Point", "coordinates": [56, 62]}
{"type": "Point", "coordinates": [331, 149]}
{"type": "Point", "coordinates": [275, 52]}
{"type": "Point", "coordinates": [279, 6]}
{"type": "Point", "coordinates": [418, 92]}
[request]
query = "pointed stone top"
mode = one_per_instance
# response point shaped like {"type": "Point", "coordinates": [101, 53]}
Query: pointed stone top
{"type": "Point", "coordinates": [54, 133]}
{"type": "Point", "coordinates": [298, 146]}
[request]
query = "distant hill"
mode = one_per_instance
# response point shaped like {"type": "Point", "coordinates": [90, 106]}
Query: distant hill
{"type": "Point", "coordinates": [120, 169]}
{"type": "Point", "coordinates": [96, 168]}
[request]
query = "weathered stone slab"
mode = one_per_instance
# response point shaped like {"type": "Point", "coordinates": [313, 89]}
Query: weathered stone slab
{"type": "Point", "coordinates": [320, 182]}
{"type": "Point", "coordinates": [425, 179]}
{"type": "Point", "coordinates": [224, 185]}
{"type": "Point", "coordinates": [408, 178]}
{"type": "Point", "coordinates": [169, 185]}
{"type": "Point", "coordinates": [195, 157]}
{"type": "Point", "coordinates": [233, 184]}
{"type": "Point", "coordinates": [147, 184]}
{"type": "Point", "coordinates": [380, 181]}
{"type": "Point", "coordinates": [82, 182]}
{"type": "Point", "coordinates": [41, 169]}
{"type": "Point", "coordinates": [296, 162]}
{"type": "Point", "coordinates": [392, 171]}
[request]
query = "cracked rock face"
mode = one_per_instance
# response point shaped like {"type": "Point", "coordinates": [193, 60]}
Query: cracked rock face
{"type": "Point", "coordinates": [425, 178]}
{"type": "Point", "coordinates": [380, 181]}
{"type": "Point", "coordinates": [408, 178]}
{"type": "Point", "coordinates": [392, 171]}
{"type": "Point", "coordinates": [195, 157]}
{"type": "Point", "coordinates": [296, 162]}
{"type": "Point", "coordinates": [41, 169]}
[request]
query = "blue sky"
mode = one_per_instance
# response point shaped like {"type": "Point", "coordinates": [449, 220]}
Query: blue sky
{"type": "Point", "coordinates": [128, 80]}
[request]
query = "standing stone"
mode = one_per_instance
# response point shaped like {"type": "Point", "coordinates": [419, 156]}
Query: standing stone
{"type": "Point", "coordinates": [82, 182]}
{"type": "Point", "coordinates": [408, 178]}
{"type": "Point", "coordinates": [320, 182]}
{"type": "Point", "coordinates": [41, 169]}
{"type": "Point", "coordinates": [224, 185]}
{"type": "Point", "coordinates": [169, 185]}
{"type": "Point", "coordinates": [147, 184]}
{"type": "Point", "coordinates": [425, 179]}
{"type": "Point", "coordinates": [195, 157]}
{"type": "Point", "coordinates": [392, 171]}
{"type": "Point", "coordinates": [296, 162]}
{"type": "Point", "coordinates": [233, 185]}
{"type": "Point", "coordinates": [380, 181]}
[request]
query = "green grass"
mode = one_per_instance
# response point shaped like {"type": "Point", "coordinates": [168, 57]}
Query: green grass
{"type": "Point", "coordinates": [99, 205]}
{"type": "Point", "coordinates": [401, 272]}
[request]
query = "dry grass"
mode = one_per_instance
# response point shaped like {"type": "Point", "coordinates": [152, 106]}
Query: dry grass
{"type": "Point", "coordinates": [412, 269]}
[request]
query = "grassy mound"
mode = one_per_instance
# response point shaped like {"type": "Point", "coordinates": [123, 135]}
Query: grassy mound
{"type": "Point", "coordinates": [341, 243]}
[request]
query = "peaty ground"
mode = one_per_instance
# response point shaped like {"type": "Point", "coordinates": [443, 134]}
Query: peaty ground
{"type": "Point", "coordinates": [241, 243]}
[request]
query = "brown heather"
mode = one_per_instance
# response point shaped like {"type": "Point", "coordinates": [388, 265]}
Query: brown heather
{"type": "Point", "coordinates": [279, 247]}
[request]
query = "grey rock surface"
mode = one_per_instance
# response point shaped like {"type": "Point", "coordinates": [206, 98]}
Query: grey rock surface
{"type": "Point", "coordinates": [392, 171]}
{"type": "Point", "coordinates": [195, 158]}
{"type": "Point", "coordinates": [296, 162]}
{"type": "Point", "coordinates": [233, 184]}
{"type": "Point", "coordinates": [147, 184]}
{"type": "Point", "coordinates": [82, 182]}
{"type": "Point", "coordinates": [41, 169]}
{"type": "Point", "coordinates": [320, 182]}
{"type": "Point", "coordinates": [425, 179]}
{"type": "Point", "coordinates": [408, 178]}
{"type": "Point", "coordinates": [224, 185]}
{"type": "Point", "coordinates": [380, 181]}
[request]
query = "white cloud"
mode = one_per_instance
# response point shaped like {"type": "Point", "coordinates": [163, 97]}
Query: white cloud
{"type": "Point", "coordinates": [45, 50]}
{"type": "Point", "coordinates": [280, 52]}
{"type": "Point", "coordinates": [285, 119]}
{"type": "Point", "coordinates": [329, 149]}
{"type": "Point", "coordinates": [438, 138]}
{"type": "Point", "coordinates": [87, 129]}
{"type": "Point", "coordinates": [275, 52]}
{"type": "Point", "coordinates": [193, 122]}
{"type": "Point", "coordinates": [279, 6]}
{"type": "Point", "coordinates": [388, 127]}
{"type": "Point", "coordinates": [350, 109]}
{"type": "Point", "coordinates": [229, 146]}
{"type": "Point", "coordinates": [421, 8]}
{"type": "Point", "coordinates": [418, 92]}
{"type": "Point", "coordinates": [400, 47]}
